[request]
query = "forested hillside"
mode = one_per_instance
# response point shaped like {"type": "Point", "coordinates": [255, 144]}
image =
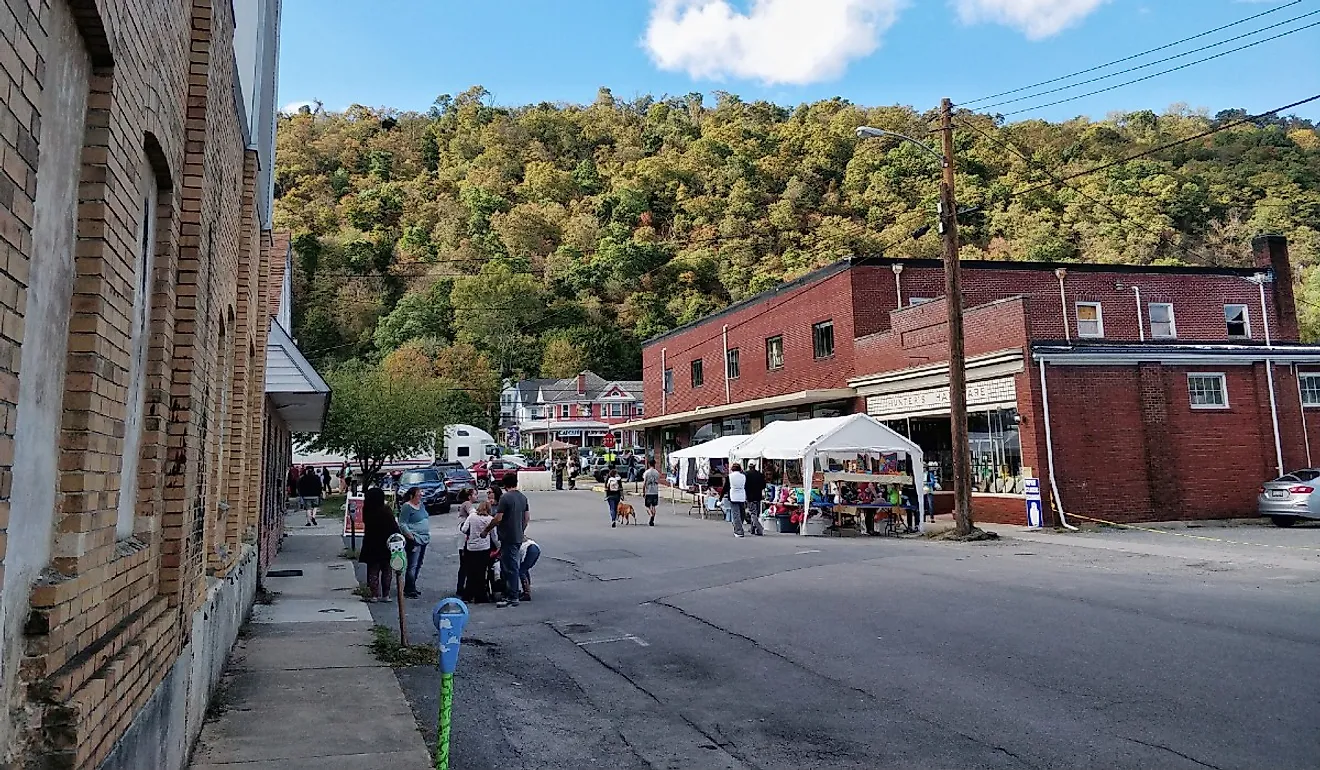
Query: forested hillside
{"type": "Point", "coordinates": [558, 236]}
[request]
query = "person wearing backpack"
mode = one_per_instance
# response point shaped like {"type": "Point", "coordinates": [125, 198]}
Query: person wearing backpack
{"type": "Point", "coordinates": [613, 494]}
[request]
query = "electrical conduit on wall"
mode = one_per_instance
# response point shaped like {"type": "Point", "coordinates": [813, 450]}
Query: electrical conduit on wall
{"type": "Point", "coordinates": [1049, 444]}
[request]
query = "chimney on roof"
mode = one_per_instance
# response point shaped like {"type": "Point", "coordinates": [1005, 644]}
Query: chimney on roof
{"type": "Point", "coordinates": [1271, 253]}
{"type": "Point", "coordinates": [582, 383]}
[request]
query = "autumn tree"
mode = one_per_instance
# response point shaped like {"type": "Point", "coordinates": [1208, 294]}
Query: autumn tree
{"type": "Point", "coordinates": [561, 359]}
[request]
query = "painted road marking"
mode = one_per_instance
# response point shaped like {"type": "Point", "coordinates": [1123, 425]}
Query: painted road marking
{"type": "Point", "coordinates": [813, 550]}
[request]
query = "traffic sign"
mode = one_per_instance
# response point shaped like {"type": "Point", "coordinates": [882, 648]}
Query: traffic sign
{"type": "Point", "coordinates": [608, 441]}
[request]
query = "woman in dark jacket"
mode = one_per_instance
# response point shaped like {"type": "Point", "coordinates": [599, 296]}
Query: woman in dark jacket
{"type": "Point", "coordinates": [378, 523]}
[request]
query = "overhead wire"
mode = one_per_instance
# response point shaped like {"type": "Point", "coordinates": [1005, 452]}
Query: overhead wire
{"type": "Point", "coordinates": [1160, 148]}
{"type": "Point", "coordinates": [1161, 72]}
{"type": "Point", "coordinates": [988, 107]}
{"type": "Point", "coordinates": [1132, 57]}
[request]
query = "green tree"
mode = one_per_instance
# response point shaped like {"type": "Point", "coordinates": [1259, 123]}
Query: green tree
{"type": "Point", "coordinates": [375, 417]}
{"type": "Point", "coordinates": [495, 311]}
{"type": "Point", "coordinates": [420, 314]}
{"type": "Point", "coordinates": [561, 359]}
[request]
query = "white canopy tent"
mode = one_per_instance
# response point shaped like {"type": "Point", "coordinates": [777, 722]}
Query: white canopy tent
{"type": "Point", "coordinates": [715, 449]}
{"type": "Point", "coordinates": [825, 437]}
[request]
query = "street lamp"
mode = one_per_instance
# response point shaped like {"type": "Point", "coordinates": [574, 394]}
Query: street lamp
{"type": "Point", "coordinates": [962, 452]}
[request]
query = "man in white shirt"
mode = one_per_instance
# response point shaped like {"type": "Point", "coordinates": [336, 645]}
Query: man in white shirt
{"type": "Point", "coordinates": [736, 484]}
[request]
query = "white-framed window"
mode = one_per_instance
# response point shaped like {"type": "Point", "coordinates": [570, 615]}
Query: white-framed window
{"type": "Point", "coordinates": [1207, 390]}
{"type": "Point", "coordinates": [639, 410]}
{"type": "Point", "coordinates": [1090, 320]}
{"type": "Point", "coordinates": [616, 410]}
{"type": "Point", "coordinates": [918, 300]}
{"type": "Point", "coordinates": [1161, 320]}
{"type": "Point", "coordinates": [1310, 384]}
{"type": "Point", "coordinates": [1237, 321]}
{"type": "Point", "coordinates": [774, 352]}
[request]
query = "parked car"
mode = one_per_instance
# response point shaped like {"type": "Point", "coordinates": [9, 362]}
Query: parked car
{"type": "Point", "coordinates": [441, 484]}
{"type": "Point", "coordinates": [496, 469]}
{"type": "Point", "coordinates": [1290, 497]}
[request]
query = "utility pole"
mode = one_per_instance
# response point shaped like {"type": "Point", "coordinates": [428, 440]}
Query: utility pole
{"type": "Point", "coordinates": [962, 453]}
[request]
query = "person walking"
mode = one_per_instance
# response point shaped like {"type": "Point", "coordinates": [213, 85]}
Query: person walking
{"type": "Point", "coordinates": [416, 526]}
{"type": "Point", "coordinates": [511, 518]}
{"type": "Point", "coordinates": [755, 485]}
{"type": "Point", "coordinates": [613, 494]}
{"type": "Point", "coordinates": [632, 468]}
{"type": "Point", "coordinates": [309, 494]}
{"type": "Point", "coordinates": [559, 474]}
{"type": "Point", "coordinates": [474, 559]}
{"type": "Point", "coordinates": [651, 489]}
{"type": "Point", "coordinates": [572, 471]}
{"type": "Point", "coordinates": [325, 481]}
{"type": "Point", "coordinates": [378, 524]}
{"type": "Point", "coordinates": [527, 558]}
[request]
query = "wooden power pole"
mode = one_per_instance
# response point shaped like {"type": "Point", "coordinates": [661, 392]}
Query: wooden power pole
{"type": "Point", "coordinates": [962, 453]}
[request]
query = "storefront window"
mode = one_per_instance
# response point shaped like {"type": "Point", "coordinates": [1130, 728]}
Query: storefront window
{"type": "Point", "coordinates": [996, 451]}
{"type": "Point", "coordinates": [704, 433]}
{"type": "Point", "coordinates": [736, 426]}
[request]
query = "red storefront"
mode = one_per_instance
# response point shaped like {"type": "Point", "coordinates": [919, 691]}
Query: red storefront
{"type": "Point", "coordinates": [1156, 377]}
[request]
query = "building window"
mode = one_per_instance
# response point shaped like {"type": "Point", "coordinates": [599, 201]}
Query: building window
{"type": "Point", "coordinates": [1310, 389]}
{"type": "Point", "coordinates": [1161, 320]}
{"type": "Point", "coordinates": [774, 352]}
{"type": "Point", "coordinates": [669, 380]}
{"type": "Point", "coordinates": [1090, 321]}
{"type": "Point", "coordinates": [1207, 391]}
{"type": "Point", "coordinates": [822, 339]}
{"type": "Point", "coordinates": [731, 364]}
{"type": "Point", "coordinates": [698, 373]}
{"type": "Point", "coordinates": [1237, 321]}
{"type": "Point", "coordinates": [912, 301]}
{"type": "Point", "coordinates": [639, 410]}
{"type": "Point", "coordinates": [616, 410]}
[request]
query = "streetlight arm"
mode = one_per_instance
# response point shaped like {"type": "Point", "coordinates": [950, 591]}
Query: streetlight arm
{"type": "Point", "coordinates": [867, 132]}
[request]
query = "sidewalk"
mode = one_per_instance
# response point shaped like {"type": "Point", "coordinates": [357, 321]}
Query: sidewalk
{"type": "Point", "coordinates": [302, 689]}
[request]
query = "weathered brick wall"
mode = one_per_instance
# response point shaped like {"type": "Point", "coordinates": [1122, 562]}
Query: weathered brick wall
{"type": "Point", "coordinates": [110, 614]}
{"type": "Point", "coordinates": [863, 301]}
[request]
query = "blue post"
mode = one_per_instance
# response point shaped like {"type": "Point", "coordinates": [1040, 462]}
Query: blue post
{"type": "Point", "coordinates": [449, 617]}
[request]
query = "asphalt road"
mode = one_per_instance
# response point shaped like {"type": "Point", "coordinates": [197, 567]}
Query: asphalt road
{"type": "Point", "coordinates": [680, 646]}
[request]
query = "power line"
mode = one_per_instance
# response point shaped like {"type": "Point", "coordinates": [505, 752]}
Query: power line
{"type": "Point", "coordinates": [1130, 58]}
{"type": "Point", "coordinates": [1231, 124]}
{"type": "Point", "coordinates": [988, 107]}
{"type": "Point", "coordinates": [1163, 72]}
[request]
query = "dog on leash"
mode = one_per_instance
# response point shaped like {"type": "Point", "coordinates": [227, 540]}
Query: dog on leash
{"type": "Point", "coordinates": [626, 513]}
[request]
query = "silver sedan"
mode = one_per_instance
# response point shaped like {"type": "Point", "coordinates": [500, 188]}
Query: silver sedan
{"type": "Point", "coordinates": [1290, 497]}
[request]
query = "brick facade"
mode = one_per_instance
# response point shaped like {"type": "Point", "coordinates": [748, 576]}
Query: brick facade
{"type": "Point", "coordinates": [99, 607]}
{"type": "Point", "coordinates": [1128, 445]}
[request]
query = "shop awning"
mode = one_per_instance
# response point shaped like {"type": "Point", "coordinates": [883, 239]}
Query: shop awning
{"type": "Point", "coordinates": [299, 394]}
{"type": "Point", "coordinates": [741, 407]}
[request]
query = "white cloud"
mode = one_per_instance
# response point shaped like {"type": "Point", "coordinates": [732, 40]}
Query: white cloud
{"type": "Point", "coordinates": [293, 107]}
{"type": "Point", "coordinates": [1035, 18]}
{"type": "Point", "coordinates": [776, 41]}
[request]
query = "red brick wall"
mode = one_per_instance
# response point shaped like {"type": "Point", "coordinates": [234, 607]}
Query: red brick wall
{"type": "Point", "coordinates": [790, 314]}
{"type": "Point", "coordinates": [862, 301]}
{"type": "Point", "coordinates": [1129, 447]}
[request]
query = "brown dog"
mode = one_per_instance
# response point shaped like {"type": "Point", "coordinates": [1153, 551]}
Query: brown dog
{"type": "Point", "coordinates": [626, 513]}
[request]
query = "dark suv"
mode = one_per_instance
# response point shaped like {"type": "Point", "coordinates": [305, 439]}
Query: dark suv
{"type": "Point", "coordinates": [441, 485]}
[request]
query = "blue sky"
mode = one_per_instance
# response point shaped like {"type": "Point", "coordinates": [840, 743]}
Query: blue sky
{"type": "Point", "coordinates": [403, 53]}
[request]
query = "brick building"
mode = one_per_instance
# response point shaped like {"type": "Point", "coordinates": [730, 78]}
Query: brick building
{"type": "Point", "coordinates": [1155, 377]}
{"type": "Point", "coordinates": [137, 272]}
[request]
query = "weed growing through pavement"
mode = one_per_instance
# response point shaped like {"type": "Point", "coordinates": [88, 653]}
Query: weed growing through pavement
{"type": "Point", "coordinates": [385, 646]}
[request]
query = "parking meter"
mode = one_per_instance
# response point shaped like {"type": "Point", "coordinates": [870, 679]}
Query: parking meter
{"type": "Point", "coordinates": [399, 562]}
{"type": "Point", "coordinates": [449, 617]}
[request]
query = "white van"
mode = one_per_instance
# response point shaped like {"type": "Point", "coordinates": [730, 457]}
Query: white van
{"type": "Point", "coordinates": [465, 444]}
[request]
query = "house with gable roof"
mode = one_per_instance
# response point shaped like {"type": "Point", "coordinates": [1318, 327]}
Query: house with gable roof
{"type": "Point", "coordinates": [577, 410]}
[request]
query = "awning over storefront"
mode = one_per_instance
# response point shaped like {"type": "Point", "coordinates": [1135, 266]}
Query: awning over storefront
{"type": "Point", "coordinates": [741, 407]}
{"type": "Point", "coordinates": [300, 395]}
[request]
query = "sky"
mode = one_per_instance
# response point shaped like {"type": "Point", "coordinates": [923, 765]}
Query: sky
{"type": "Point", "coordinates": [404, 53]}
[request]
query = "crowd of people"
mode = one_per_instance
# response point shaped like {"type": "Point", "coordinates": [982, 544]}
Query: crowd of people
{"type": "Point", "coordinates": [495, 556]}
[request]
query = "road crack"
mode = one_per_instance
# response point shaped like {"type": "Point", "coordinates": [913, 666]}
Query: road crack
{"type": "Point", "coordinates": [1175, 752]}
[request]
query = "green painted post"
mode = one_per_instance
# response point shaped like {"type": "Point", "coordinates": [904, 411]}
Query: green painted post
{"type": "Point", "coordinates": [442, 731]}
